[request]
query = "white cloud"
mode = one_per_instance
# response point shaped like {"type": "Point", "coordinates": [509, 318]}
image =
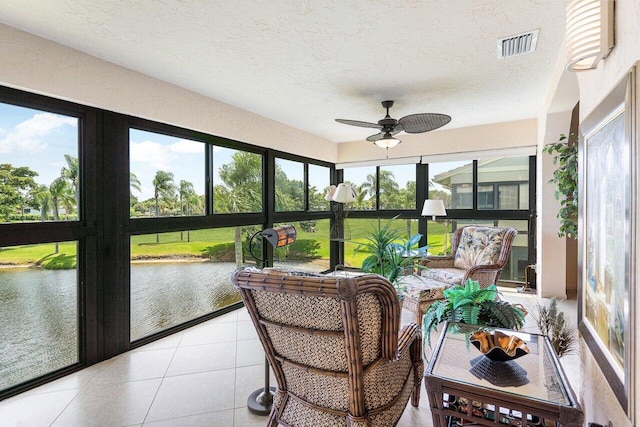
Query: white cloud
{"type": "Point", "coordinates": [186, 146]}
{"type": "Point", "coordinates": [153, 153]}
{"type": "Point", "coordinates": [28, 136]}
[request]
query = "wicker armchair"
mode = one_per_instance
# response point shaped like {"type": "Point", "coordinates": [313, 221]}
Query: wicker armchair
{"type": "Point", "coordinates": [477, 253]}
{"type": "Point", "coordinates": [335, 348]}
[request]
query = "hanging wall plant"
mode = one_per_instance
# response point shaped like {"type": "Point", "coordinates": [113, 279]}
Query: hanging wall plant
{"type": "Point", "coordinates": [565, 178]}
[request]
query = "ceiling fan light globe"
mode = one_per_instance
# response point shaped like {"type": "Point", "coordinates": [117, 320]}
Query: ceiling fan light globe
{"type": "Point", "coordinates": [387, 142]}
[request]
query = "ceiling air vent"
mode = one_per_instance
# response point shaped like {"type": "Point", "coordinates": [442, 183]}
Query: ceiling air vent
{"type": "Point", "coordinates": [520, 44]}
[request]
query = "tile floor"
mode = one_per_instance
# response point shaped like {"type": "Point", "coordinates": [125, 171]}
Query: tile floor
{"type": "Point", "coordinates": [199, 377]}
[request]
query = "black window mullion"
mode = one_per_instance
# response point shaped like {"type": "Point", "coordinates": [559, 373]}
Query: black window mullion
{"type": "Point", "coordinates": [474, 205]}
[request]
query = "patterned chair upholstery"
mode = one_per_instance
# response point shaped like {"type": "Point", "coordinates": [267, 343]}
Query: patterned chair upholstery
{"type": "Point", "coordinates": [477, 253]}
{"type": "Point", "coordinates": [335, 346]}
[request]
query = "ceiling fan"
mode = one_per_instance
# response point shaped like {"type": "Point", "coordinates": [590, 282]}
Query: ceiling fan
{"type": "Point", "coordinates": [413, 123]}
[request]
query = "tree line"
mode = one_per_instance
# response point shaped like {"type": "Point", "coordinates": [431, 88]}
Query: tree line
{"type": "Point", "coordinates": [240, 190]}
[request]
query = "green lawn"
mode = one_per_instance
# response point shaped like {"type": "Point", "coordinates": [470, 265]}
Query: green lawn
{"type": "Point", "coordinates": [214, 243]}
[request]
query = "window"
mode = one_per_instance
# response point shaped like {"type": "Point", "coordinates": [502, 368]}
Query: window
{"type": "Point", "coordinates": [398, 187]}
{"type": "Point", "coordinates": [289, 182]}
{"type": "Point", "coordinates": [502, 184]}
{"type": "Point", "coordinates": [183, 275]}
{"type": "Point", "coordinates": [364, 180]}
{"type": "Point", "coordinates": [318, 184]}
{"type": "Point", "coordinates": [485, 197]}
{"type": "Point", "coordinates": [507, 178]}
{"type": "Point", "coordinates": [310, 251]}
{"type": "Point", "coordinates": [39, 306]}
{"type": "Point", "coordinates": [166, 175]}
{"type": "Point", "coordinates": [39, 170]}
{"type": "Point", "coordinates": [508, 196]}
{"type": "Point", "coordinates": [237, 181]}
{"type": "Point", "coordinates": [452, 182]}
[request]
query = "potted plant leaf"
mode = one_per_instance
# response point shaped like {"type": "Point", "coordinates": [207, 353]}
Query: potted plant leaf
{"type": "Point", "coordinates": [390, 254]}
{"type": "Point", "coordinates": [469, 303]}
{"type": "Point", "coordinates": [565, 178]}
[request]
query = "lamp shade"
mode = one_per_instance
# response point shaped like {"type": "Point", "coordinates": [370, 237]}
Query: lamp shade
{"type": "Point", "coordinates": [331, 190]}
{"type": "Point", "coordinates": [433, 208]}
{"type": "Point", "coordinates": [344, 193]}
{"type": "Point", "coordinates": [589, 33]}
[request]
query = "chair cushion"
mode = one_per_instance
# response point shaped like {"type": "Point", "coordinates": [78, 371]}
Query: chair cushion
{"type": "Point", "coordinates": [479, 246]}
{"type": "Point", "coordinates": [450, 276]}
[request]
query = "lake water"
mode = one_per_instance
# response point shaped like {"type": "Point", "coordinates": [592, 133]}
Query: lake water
{"type": "Point", "coordinates": [39, 309]}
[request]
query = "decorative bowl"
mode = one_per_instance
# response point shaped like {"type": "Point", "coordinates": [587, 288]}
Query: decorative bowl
{"type": "Point", "coordinates": [498, 346]}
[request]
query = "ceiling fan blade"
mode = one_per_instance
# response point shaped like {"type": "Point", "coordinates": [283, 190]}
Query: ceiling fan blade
{"type": "Point", "coordinates": [379, 136]}
{"type": "Point", "coordinates": [424, 122]}
{"type": "Point", "coordinates": [359, 123]}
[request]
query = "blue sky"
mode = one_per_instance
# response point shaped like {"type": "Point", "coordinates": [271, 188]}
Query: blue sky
{"type": "Point", "coordinates": [37, 139]}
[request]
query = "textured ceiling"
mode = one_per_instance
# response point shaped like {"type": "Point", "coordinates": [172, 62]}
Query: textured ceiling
{"type": "Point", "coordinates": [305, 63]}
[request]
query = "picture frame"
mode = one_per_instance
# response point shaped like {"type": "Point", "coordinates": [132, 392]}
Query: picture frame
{"type": "Point", "coordinates": [606, 226]}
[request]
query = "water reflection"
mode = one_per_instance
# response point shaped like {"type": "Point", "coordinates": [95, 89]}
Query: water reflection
{"type": "Point", "coordinates": [38, 325]}
{"type": "Point", "coordinates": [166, 295]}
{"type": "Point", "coordinates": [38, 321]}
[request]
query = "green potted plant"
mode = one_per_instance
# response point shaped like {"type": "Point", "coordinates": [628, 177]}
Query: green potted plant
{"type": "Point", "coordinates": [390, 253]}
{"type": "Point", "coordinates": [469, 303]}
{"type": "Point", "coordinates": [565, 178]}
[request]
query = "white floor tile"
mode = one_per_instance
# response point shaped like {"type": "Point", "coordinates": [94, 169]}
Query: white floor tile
{"type": "Point", "coordinates": [244, 418]}
{"type": "Point", "coordinates": [249, 379]}
{"type": "Point", "coordinates": [246, 331]}
{"type": "Point", "coordinates": [210, 333]}
{"type": "Point", "coordinates": [243, 314]}
{"type": "Point", "coordinates": [110, 404]}
{"type": "Point", "coordinates": [172, 341]}
{"type": "Point", "coordinates": [202, 358]}
{"type": "Point", "coordinates": [229, 317]}
{"type": "Point", "coordinates": [249, 352]}
{"type": "Point", "coordinates": [73, 381]}
{"type": "Point", "coordinates": [193, 394]}
{"type": "Point", "coordinates": [34, 410]}
{"type": "Point", "coordinates": [134, 366]}
{"type": "Point", "coordinates": [210, 419]}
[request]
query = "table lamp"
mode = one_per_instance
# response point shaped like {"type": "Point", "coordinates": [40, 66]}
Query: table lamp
{"type": "Point", "coordinates": [433, 208]}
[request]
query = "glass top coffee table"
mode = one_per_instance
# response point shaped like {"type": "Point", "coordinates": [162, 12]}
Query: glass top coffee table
{"type": "Point", "coordinates": [464, 384]}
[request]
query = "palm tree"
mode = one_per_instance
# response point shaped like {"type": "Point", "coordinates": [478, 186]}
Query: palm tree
{"type": "Point", "coordinates": [185, 192]}
{"type": "Point", "coordinates": [163, 187]}
{"type": "Point", "coordinates": [61, 194]}
{"type": "Point", "coordinates": [71, 173]}
{"type": "Point", "coordinates": [388, 188]}
{"type": "Point", "coordinates": [134, 184]}
{"type": "Point", "coordinates": [369, 186]}
{"type": "Point", "coordinates": [42, 198]}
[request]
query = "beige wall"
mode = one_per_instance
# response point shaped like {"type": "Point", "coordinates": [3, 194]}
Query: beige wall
{"type": "Point", "coordinates": [600, 404]}
{"type": "Point", "coordinates": [551, 249]}
{"type": "Point", "coordinates": [41, 66]}
{"type": "Point", "coordinates": [520, 133]}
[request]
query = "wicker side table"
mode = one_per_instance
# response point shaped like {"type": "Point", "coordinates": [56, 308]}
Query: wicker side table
{"type": "Point", "coordinates": [420, 293]}
{"type": "Point", "coordinates": [456, 389]}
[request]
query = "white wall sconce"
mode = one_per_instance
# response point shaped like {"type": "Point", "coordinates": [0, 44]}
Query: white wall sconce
{"type": "Point", "coordinates": [590, 35]}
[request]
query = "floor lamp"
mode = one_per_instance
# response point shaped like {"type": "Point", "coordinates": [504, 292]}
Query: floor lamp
{"type": "Point", "coordinates": [261, 400]}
